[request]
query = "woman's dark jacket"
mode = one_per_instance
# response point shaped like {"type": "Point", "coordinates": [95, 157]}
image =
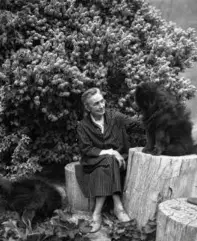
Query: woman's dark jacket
{"type": "Point", "coordinates": [92, 141]}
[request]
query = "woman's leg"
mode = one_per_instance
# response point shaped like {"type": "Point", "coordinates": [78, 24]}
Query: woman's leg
{"type": "Point", "coordinates": [117, 201]}
{"type": "Point", "coordinates": [98, 207]}
{"type": "Point", "coordinates": [96, 216]}
{"type": "Point", "coordinates": [119, 209]}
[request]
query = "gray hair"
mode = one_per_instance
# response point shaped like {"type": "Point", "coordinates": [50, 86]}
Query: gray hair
{"type": "Point", "coordinates": [86, 95]}
{"type": "Point", "coordinates": [89, 93]}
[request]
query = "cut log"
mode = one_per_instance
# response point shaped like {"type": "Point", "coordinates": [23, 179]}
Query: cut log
{"type": "Point", "coordinates": [153, 179]}
{"type": "Point", "coordinates": [177, 221]}
{"type": "Point", "coordinates": [76, 200]}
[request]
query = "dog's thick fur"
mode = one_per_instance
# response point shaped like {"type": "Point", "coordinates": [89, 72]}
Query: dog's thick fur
{"type": "Point", "coordinates": [166, 121]}
{"type": "Point", "coordinates": [30, 197]}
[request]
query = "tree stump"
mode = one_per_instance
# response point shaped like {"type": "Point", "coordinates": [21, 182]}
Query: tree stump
{"type": "Point", "coordinates": [153, 179]}
{"type": "Point", "coordinates": [177, 221]}
{"type": "Point", "coordinates": [76, 200]}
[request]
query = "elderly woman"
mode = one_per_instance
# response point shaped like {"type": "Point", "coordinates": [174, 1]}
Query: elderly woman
{"type": "Point", "coordinates": [104, 148]}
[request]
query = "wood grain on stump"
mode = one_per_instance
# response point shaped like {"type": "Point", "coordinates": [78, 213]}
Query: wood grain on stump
{"type": "Point", "coordinates": [153, 179]}
{"type": "Point", "coordinates": [177, 221]}
{"type": "Point", "coordinates": [77, 201]}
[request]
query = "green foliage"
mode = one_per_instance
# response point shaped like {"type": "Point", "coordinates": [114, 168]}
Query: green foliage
{"type": "Point", "coordinates": [58, 228]}
{"type": "Point", "coordinates": [130, 232]}
{"type": "Point", "coordinates": [67, 226]}
{"type": "Point", "coordinates": [51, 51]}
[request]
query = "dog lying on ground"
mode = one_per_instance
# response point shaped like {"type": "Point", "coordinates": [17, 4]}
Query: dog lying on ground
{"type": "Point", "coordinates": [166, 121]}
{"type": "Point", "coordinates": [32, 198]}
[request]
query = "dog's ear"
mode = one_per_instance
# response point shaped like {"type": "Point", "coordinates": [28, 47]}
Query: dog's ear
{"type": "Point", "coordinates": [151, 98]}
{"type": "Point", "coordinates": [145, 95]}
{"type": "Point", "coordinates": [141, 97]}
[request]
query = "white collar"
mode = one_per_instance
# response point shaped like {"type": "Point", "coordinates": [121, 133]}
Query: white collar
{"type": "Point", "coordinates": [100, 123]}
{"type": "Point", "coordinates": [97, 121]}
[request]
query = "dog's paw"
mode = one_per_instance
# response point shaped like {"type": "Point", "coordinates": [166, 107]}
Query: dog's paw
{"type": "Point", "coordinates": [146, 150]}
{"type": "Point", "coordinates": [156, 152]}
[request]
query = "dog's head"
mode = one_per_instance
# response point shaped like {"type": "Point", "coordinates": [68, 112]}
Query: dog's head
{"type": "Point", "coordinates": [145, 95]}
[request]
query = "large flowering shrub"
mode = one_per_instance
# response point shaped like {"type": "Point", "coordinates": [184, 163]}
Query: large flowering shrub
{"type": "Point", "coordinates": [53, 50]}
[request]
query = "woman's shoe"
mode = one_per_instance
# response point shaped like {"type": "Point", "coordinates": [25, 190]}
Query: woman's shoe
{"type": "Point", "coordinates": [121, 215]}
{"type": "Point", "coordinates": [96, 224]}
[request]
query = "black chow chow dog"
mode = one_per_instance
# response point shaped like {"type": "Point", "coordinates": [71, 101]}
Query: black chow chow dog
{"type": "Point", "coordinates": [32, 198]}
{"type": "Point", "coordinates": [166, 121]}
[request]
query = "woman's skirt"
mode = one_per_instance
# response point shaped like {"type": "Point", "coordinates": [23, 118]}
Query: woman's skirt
{"type": "Point", "coordinates": [103, 180]}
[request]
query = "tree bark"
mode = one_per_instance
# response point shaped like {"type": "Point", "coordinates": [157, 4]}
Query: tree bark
{"type": "Point", "coordinates": [153, 179]}
{"type": "Point", "coordinates": [76, 200]}
{"type": "Point", "coordinates": [177, 221]}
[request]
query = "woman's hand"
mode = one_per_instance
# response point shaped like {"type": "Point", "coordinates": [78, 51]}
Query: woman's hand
{"type": "Point", "coordinates": [117, 155]}
{"type": "Point", "coordinates": [120, 159]}
{"type": "Point", "coordinates": [107, 152]}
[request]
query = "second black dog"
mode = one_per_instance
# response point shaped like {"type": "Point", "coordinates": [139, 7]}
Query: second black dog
{"type": "Point", "coordinates": [31, 198]}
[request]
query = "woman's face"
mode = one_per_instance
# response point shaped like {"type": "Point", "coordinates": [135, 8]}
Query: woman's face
{"type": "Point", "coordinates": [96, 105]}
